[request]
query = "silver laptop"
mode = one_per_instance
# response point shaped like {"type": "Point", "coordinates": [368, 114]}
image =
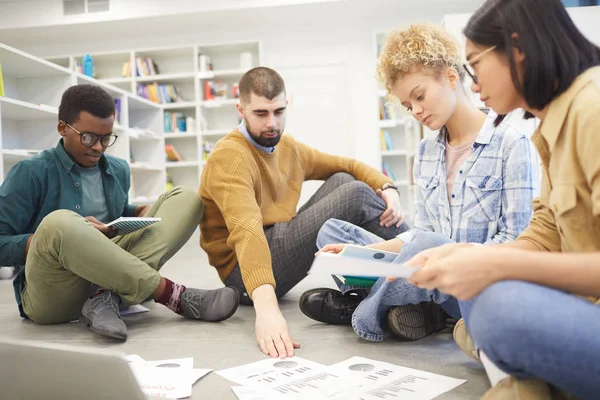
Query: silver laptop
{"type": "Point", "coordinates": [35, 370]}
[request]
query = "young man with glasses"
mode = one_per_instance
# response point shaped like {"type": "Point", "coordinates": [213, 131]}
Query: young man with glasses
{"type": "Point", "coordinates": [54, 209]}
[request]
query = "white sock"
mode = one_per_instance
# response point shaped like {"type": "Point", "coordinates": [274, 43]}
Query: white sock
{"type": "Point", "coordinates": [494, 373]}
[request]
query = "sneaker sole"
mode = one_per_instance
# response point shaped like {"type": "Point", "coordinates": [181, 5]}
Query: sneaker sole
{"type": "Point", "coordinates": [416, 321]}
{"type": "Point", "coordinates": [104, 333]}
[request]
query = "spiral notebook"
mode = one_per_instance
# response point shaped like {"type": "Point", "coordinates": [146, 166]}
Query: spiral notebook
{"type": "Point", "coordinates": [125, 225]}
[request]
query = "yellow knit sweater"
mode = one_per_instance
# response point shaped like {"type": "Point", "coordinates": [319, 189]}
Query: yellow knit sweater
{"type": "Point", "coordinates": [245, 190]}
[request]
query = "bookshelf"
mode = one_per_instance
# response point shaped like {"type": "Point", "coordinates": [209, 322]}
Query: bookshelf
{"type": "Point", "coordinates": [202, 109]}
{"type": "Point", "coordinates": [399, 136]}
{"type": "Point", "coordinates": [29, 116]}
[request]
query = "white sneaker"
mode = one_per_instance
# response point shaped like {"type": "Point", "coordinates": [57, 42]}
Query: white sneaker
{"type": "Point", "coordinates": [7, 272]}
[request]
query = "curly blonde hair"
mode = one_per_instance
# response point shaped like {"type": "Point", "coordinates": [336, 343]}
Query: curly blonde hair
{"type": "Point", "coordinates": [426, 47]}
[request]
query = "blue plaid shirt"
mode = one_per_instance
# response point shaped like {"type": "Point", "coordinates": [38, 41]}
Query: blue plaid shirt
{"type": "Point", "coordinates": [492, 192]}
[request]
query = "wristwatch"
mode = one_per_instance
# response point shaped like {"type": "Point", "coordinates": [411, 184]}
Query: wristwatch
{"type": "Point", "coordinates": [390, 186]}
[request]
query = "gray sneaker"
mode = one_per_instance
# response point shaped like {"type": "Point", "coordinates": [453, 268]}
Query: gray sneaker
{"type": "Point", "coordinates": [101, 314]}
{"type": "Point", "coordinates": [209, 305]}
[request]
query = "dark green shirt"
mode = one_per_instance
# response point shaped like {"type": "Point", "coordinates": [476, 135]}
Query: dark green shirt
{"type": "Point", "coordinates": [45, 183]}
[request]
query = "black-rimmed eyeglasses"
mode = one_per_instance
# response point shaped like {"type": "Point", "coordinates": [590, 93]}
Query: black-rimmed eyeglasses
{"type": "Point", "coordinates": [89, 139]}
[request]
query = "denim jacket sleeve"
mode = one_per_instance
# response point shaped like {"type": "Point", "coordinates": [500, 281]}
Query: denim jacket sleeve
{"type": "Point", "coordinates": [520, 185]}
{"type": "Point", "coordinates": [19, 197]}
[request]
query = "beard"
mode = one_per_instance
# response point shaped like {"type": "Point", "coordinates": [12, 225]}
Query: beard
{"type": "Point", "coordinates": [263, 140]}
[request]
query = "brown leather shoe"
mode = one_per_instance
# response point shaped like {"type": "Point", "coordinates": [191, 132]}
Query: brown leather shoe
{"type": "Point", "coordinates": [519, 389]}
{"type": "Point", "coordinates": [464, 341]}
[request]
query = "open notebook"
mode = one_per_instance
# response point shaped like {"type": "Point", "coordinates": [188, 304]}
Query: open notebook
{"type": "Point", "coordinates": [125, 225]}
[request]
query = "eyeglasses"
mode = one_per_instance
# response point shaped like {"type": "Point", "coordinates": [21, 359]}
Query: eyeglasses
{"type": "Point", "coordinates": [89, 139]}
{"type": "Point", "coordinates": [469, 65]}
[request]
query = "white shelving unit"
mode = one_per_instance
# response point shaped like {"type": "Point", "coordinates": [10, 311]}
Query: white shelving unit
{"type": "Point", "coordinates": [401, 137]}
{"type": "Point", "coordinates": [180, 66]}
{"type": "Point", "coordinates": [29, 116]}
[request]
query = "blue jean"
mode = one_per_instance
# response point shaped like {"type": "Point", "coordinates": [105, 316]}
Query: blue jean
{"type": "Point", "coordinates": [370, 317]}
{"type": "Point", "coordinates": [529, 330]}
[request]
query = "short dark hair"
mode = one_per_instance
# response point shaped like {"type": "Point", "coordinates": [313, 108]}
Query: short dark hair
{"type": "Point", "coordinates": [261, 81]}
{"type": "Point", "coordinates": [89, 98]}
{"type": "Point", "coordinates": [556, 52]}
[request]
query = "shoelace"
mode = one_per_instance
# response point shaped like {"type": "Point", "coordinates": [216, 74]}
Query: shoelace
{"type": "Point", "coordinates": [106, 298]}
{"type": "Point", "coordinates": [194, 302]}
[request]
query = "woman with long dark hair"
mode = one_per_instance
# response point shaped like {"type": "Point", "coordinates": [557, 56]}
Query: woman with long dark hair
{"type": "Point", "coordinates": [532, 304]}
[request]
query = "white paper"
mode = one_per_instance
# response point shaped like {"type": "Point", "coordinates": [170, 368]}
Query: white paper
{"type": "Point", "coordinates": [134, 358]}
{"type": "Point", "coordinates": [334, 264]}
{"type": "Point", "coordinates": [134, 309]}
{"type": "Point", "coordinates": [375, 380]}
{"type": "Point", "coordinates": [175, 363]}
{"type": "Point", "coordinates": [171, 378]}
{"type": "Point", "coordinates": [247, 393]}
{"type": "Point", "coordinates": [292, 378]}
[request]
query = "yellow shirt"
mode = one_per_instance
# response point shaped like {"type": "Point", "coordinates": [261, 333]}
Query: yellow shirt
{"type": "Point", "coordinates": [567, 215]}
{"type": "Point", "coordinates": [245, 190]}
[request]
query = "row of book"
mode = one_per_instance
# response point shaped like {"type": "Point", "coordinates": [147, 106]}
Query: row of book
{"type": "Point", "coordinates": [178, 122]}
{"type": "Point", "coordinates": [161, 94]}
{"type": "Point", "coordinates": [386, 111]}
{"type": "Point", "coordinates": [217, 90]}
{"type": "Point", "coordinates": [386, 140]}
{"type": "Point", "coordinates": [144, 66]}
{"type": "Point", "coordinates": [387, 171]}
{"type": "Point", "coordinates": [173, 155]}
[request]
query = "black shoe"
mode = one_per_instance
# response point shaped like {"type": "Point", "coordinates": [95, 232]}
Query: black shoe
{"type": "Point", "coordinates": [329, 306]}
{"type": "Point", "coordinates": [415, 321]}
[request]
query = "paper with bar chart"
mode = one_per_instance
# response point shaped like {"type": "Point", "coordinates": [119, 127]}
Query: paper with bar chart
{"type": "Point", "coordinates": [376, 380]}
{"type": "Point", "coordinates": [292, 378]}
{"type": "Point", "coordinates": [357, 378]}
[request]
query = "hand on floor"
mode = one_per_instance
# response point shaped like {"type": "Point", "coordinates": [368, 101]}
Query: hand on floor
{"type": "Point", "coordinates": [273, 336]}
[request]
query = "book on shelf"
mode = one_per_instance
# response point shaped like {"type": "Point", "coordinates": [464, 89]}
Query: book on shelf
{"type": "Point", "coordinates": [387, 171]}
{"type": "Point", "coordinates": [386, 140]}
{"type": "Point", "coordinates": [215, 90]}
{"type": "Point", "coordinates": [172, 153]}
{"type": "Point", "coordinates": [386, 110]}
{"type": "Point", "coordinates": [118, 111]}
{"type": "Point", "coordinates": [126, 70]}
{"type": "Point", "coordinates": [176, 122]}
{"type": "Point", "coordinates": [161, 94]}
{"type": "Point", "coordinates": [145, 66]}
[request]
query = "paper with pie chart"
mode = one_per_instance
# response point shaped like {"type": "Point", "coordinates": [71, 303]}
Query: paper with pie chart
{"type": "Point", "coordinates": [376, 380]}
{"type": "Point", "coordinates": [357, 378]}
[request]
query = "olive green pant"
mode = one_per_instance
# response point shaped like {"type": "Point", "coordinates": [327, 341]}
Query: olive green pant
{"type": "Point", "coordinates": [69, 259]}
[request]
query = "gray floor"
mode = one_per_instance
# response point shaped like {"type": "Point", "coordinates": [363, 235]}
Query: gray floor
{"type": "Point", "coordinates": [161, 334]}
